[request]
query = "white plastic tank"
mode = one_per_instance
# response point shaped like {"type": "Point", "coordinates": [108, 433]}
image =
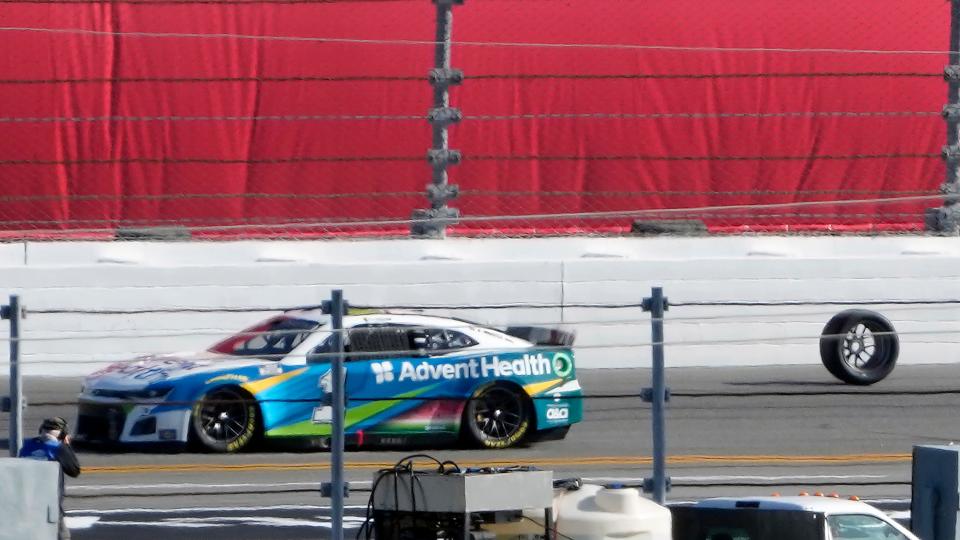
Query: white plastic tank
{"type": "Point", "coordinates": [595, 512]}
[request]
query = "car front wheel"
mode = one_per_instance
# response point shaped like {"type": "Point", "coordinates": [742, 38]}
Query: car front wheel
{"type": "Point", "coordinates": [497, 416]}
{"type": "Point", "coordinates": [225, 420]}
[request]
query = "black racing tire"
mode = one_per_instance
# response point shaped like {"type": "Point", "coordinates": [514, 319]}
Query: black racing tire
{"type": "Point", "coordinates": [498, 416]}
{"type": "Point", "coordinates": [225, 420]}
{"type": "Point", "coordinates": [859, 346]}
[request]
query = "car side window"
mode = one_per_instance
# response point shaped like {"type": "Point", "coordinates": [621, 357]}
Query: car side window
{"type": "Point", "coordinates": [438, 341]}
{"type": "Point", "coordinates": [862, 527]}
{"type": "Point", "coordinates": [459, 340]}
{"type": "Point", "coordinates": [366, 342]}
{"type": "Point", "coordinates": [376, 342]}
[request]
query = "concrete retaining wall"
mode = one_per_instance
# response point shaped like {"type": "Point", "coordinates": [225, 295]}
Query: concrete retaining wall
{"type": "Point", "coordinates": [134, 275]}
{"type": "Point", "coordinates": [29, 499]}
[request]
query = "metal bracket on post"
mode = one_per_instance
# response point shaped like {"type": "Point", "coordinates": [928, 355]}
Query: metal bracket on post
{"type": "Point", "coordinates": [430, 223]}
{"type": "Point", "coordinates": [445, 77]}
{"type": "Point", "coordinates": [646, 395]}
{"type": "Point", "coordinates": [444, 116]}
{"type": "Point", "coordinates": [443, 158]}
{"type": "Point", "coordinates": [326, 490]}
{"type": "Point", "coordinates": [657, 304]}
{"type": "Point", "coordinates": [649, 485]}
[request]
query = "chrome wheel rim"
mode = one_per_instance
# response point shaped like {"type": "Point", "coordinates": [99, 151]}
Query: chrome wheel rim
{"type": "Point", "coordinates": [223, 416]}
{"type": "Point", "coordinates": [498, 414]}
{"type": "Point", "coordinates": [859, 348]}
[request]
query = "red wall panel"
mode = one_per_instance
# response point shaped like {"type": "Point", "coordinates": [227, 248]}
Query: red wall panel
{"type": "Point", "coordinates": [118, 152]}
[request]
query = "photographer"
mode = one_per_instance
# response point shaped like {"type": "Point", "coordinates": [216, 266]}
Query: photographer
{"type": "Point", "coordinates": [53, 444]}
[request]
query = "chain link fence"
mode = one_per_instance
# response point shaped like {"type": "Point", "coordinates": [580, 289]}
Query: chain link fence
{"type": "Point", "coordinates": [306, 118]}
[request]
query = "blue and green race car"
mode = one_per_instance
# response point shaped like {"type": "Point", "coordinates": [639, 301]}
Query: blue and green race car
{"type": "Point", "coordinates": [410, 379]}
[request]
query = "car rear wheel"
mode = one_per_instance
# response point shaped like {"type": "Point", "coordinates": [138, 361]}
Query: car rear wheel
{"type": "Point", "coordinates": [859, 346]}
{"type": "Point", "coordinates": [498, 416]}
{"type": "Point", "coordinates": [225, 420]}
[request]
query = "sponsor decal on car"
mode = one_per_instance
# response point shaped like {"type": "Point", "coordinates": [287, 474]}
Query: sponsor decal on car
{"type": "Point", "coordinates": [322, 415]}
{"type": "Point", "coordinates": [558, 413]}
{"type": "Point", "coordinates": [474, 368]}
{"type": "Point", "coordinates": [228, 377]}
{"type": "Point", "coordinates": [149, 369]}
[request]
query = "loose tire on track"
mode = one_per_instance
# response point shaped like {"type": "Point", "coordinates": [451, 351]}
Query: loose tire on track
{"type": "Point", "coordinates": [498, 416]}
{"type": "Point", "coordinates": [225, 420]}
{"type": "Point", "coordinates": [859, 346]}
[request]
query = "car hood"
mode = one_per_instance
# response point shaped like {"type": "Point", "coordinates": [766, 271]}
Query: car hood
{"type": "Point", "coordinates": [146, 370]}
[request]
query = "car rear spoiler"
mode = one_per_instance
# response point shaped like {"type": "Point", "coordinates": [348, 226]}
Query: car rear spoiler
{"type": "Point", "coordinates": [543, 335]}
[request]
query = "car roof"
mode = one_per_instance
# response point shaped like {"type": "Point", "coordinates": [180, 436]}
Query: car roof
{"type": "Point", "coordinates": [406, 317]}
{"type": "Point", "coordinates": [826, 505]}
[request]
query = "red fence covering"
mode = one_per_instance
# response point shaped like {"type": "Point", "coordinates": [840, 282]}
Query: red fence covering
{"type": "Point", "coordinates": [154, 112]}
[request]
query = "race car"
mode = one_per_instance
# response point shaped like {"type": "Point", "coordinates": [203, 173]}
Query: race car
{"type": "Point", "coordinates": [410, 379]}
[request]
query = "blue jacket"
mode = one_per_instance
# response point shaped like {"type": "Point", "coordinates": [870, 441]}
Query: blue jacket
{"type": "Point", "coordinates": [42, 449]}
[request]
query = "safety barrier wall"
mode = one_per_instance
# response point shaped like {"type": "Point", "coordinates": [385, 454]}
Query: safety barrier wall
{"type": "Point", "coordinates": [800, 282]}
{"type": "Point", "coordinates": [31, 507]}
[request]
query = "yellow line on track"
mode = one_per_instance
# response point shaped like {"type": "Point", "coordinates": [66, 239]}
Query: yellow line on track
{"type": "Point", "coordinates": [541, 462]}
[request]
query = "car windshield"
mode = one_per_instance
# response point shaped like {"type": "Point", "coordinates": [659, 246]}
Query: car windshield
{"type": "Point", "coordinates": [862, 527]}
{"type": "Point", "coordinates": [272, 339]}
{"type": "Point", "coordinates": [695, 523]}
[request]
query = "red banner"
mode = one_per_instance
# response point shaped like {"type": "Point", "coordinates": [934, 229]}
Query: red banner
{"type": "Point", "coordinates": [290, 118]}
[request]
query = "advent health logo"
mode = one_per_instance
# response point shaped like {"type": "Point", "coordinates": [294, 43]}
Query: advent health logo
{"type": "Point", "coordinates": [474, 368]}
{"type": "Point", "coordinates": [383, 371]}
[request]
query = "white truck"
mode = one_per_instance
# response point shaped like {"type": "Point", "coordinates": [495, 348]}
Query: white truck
{"type": "Point", "coordinates": [784, 518]}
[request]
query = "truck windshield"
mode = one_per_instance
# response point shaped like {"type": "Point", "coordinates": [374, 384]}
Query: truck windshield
{"type": "Point", "coordinates": [692, 523]}
{"type": "Point", "coordinates": [862, 527]}
{"type": "Point", "coordinates": [272, 339]}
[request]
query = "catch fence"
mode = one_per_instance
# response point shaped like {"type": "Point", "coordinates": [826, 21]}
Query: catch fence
{"type": "Point", "coordinates": [318, 119]}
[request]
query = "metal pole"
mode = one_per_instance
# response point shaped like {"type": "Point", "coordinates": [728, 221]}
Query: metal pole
{"type": "Point", "coordinates": [658, 395]}
{"type": "Point", "coordinates": [12, 312]}
{"type": "Point", "coordinates": [947, 217]}
{"type": "Point", "coordinates": [441, 93]}
{"type": "Point", "coordinates": [434, 221]}
{"type": "Point", "coordinates": [336, 442]}
{"type": "Point", "coordinates": [953, 94]}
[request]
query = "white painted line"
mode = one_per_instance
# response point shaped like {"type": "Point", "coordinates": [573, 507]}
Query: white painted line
{"type": "Point", "coordinates": [206, 509]}
{"type": "Point", "coordinates": [868, 501]}
{"type": "Point", "coordinates": [198, 486]}
{"type": "Point", "coordinates": [269, 521]}
{"type": "Point", "coordinates": [144, 487]}
{"type": "Point", "coordinates": [721, 478]}
{"type": "Point", "coordinates": [163, 524]}
{"type": "Point", "coordinates": [80, 522]}
{"type": "Point", "coordinates": [238, 521]}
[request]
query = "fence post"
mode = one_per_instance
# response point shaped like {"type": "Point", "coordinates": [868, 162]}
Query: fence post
{"type": "Point", "coordinates": [11, 312]}
{"type": "Point", "coordinates": [337, 378]}
{"type": "Point", "coordinates": [433, 222]}
{"type": "Point", "coordinates": [658, 395]}
{"type": "Point", "coordinates": [946, 219]}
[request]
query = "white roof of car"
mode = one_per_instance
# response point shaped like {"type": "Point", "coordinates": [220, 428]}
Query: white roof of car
{"type": "Point", "coordinates": [807, 503]}
{"type": "Point", "coordinates": [410, 317]}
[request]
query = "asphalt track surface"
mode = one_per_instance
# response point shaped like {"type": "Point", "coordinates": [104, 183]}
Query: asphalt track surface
{"type": "Point", "coordinates": [730, 431]}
